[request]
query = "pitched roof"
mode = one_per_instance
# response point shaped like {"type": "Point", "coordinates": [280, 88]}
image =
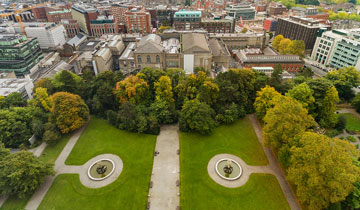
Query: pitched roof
{"type": "Point", "coordinates": [195, 43]}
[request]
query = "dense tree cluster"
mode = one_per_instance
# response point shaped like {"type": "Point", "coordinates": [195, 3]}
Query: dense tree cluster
{"type": "Point", "coordinates": [289, 47]}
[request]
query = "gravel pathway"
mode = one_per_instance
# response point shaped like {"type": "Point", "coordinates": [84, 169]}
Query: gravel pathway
{"type": "Point", "coordinates": [164, 192]}
{"type": "Point", "coordinates": [274, 166]}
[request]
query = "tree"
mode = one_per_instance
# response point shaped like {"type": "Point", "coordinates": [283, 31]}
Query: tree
{"type": "Point", "coordinates": [276, 78]}
{"type": "Point", "coordinates": [42, 99]}
{"type": "Point", "coordinates": [323, 108]}
{"type": "Point", "coordinates": [277, 41]}
{"type": "Point", "coordinates": [264, 101]}
{"type": "Point", "coordinates": [283, 46]}
{"type": "Point", "coordinates": [236, 86]}
{"type": "Point", "coordinates": [46, 83]}
{"type": "Point", "coordinates": [327, 114]}
{"type": "Point", "coordinates": [341, 123]}
{"type": "Point", "coordinates": [15, 126]}
{"type": "Point", "coordinates": [69, 112]}
{"type": "Point", "coordinates": [356, 102]}
{"type": "Point", "coordinates": [296, 47]}
{"type": "Point", "coordinates": [132, 89]}
{"type": "Point", "coordinates": [306, 72]}
{"type": "Point", "coordinates": [197, 116]}
{"type": "Point", "coordinates": [14, 99]}
{"type": "Point", "coordinates": [353, 199]}
{"type": "Point", "coordinates": [344, 80]}
{"type": "Point", "coordinates": [66, 81]}
{"type": "Point", "coordinates": [283, 123]}
{"type": "Point", "coordinates": [21, 173]}
{"type": "Point", "coordinates": [244, 30]}
{"type": "Point", "coordinates": [329, 179]}
{"type": "Point", "coordinates": [303, 94]}
{"type": "Point", "coordinates": [3, 151]}
{"type": "Point", "coordinates": [127, 117]}
{"type": "Point", "coordinates": [208, 92]}
{"type": "Point", "coordinates": [163, 90]}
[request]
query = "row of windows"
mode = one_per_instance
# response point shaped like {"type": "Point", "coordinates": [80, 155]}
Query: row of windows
{"type": "Point", "coordinates": [148, 59]}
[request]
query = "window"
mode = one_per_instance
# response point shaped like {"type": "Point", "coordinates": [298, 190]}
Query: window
{"type": "Point", "coordinates": [139, 59]}
{"type": "Point", "coordinates": [157, 59]}
{"type": "Point", "coordinates": [148, 59]}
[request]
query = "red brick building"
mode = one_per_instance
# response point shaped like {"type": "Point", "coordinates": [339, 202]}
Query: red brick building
{"type": "Point", "coordinates": [276, 8]}
{"type": "Point", "coordinates": [270, 24]}
{"type": "Point", "coordinates": [72, 27]}
{"type": "Point", "coordinates": [218, 26]}
{"type": "Point", "coordinates": [104, 26]}
{"type": "Point", "coordinates": [138, 21]}
{"type": "Point", "coordinates": [57, 16]}
{"type": "Point", "coordinates": [322, 17]}
{"type": "Point", "coordinates": [118, 11]}
{"type": "Point", "coordinates": [39, 13]}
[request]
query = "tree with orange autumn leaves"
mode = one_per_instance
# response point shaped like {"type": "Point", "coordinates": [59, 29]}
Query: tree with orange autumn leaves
{"type": "Point", "coordinates": [132, 89]}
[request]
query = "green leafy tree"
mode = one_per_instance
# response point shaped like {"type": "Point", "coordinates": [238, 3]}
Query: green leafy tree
{"type": "Point", "coordinates": [327, 113]}
{"type": "Point", "coordinates": [197, 116]}
{"type": "Point", "coordinates": [264, 101]}
{"type": "Point", "coordinates": [325, 180]}
{"type": "Point", "coordinates": [306, 72]}
{"type": "Point", "coordinates": [127, 117]}
{"type": "Point", "coordinates": [42, 99]}
{"type": "Point", "coordinates": [21, 173]}
{"type": "Point", "coordinates": [46, 83]}
{"type": "Point", "coordinates": [283, 46]}
{"type": "Point", "coordinates": [344, 80]}
{"type": "Point", "coordinates": [356, 102]}
{"type": "Point", "coordinates": [276, 78]}
{"type": "Point", "coordinates": [15, 126]}
{"type": "Point", "coordinates": [69, 112]}
{"type": "Point", "coordinates": [208, 92]}
{"type": "Point", "coordinates": [66, 81]}
{"type": "Point", "coordinates": [296, 47]}
{"type": "Point", "coordinates": [283, 123]}
{"type": "Point", "coordinates": [14, 99]}
{"type": "Point", "coordinates": [163, 90]}
{"type": "Point", "coordinates": [303, 94]}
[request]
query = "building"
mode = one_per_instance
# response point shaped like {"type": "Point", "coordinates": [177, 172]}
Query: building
{"type": "Point", "coordinates": [249, 58]}
{"type": "Point", "coordinates": [126, 60]}
{"type": "Point", "coordinates": [72, 28]}
{"type": "Point", "coordinates": [138, 21]}
{"type": "Point", "coordinates": [266, 70]}
{"type": "Point", "coordinates": [187, 20]}
{"type": "Point", "coordinates": [103, 60]}
{"type": "Point", "coordinates": [104, 25]}
{"type": "Point", "coordinates": [10, 85]}
{"type": "Point", "coordinates": [195, 52]}
{"type": "Point", "coordinates": [218, 25]}
{"type": "Point", "coordinates": [220, 55]}
{"type": "Point", "coordinates": [49, 35]}
{"type": "Point", "coordinates": [39, 13]}
{"type": "Point", "coordinates": [84, 16]}
{"type": "Point", "coordinates": [57, 16]}
{"type": "Point", "coordinates": [276, 8]}
{"type": "Point", "coordinates": [162, 15]}
{"type": "Point", "coordinates": [300, 28]}
{"type": "Point", "coordinates": [241, 11]}
{"type": "Point", "coordinates": [338, 48]}
{"type": "Point", "coordinates": [18, 53]}
{"type": "Point", "coordinates": [119, 10]}
{"type": "Point", "coordinates": [242, 40]}
{"type": "Point", "coordinates": [270, 24]}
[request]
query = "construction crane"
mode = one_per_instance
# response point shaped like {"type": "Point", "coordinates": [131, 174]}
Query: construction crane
{"type": "Point", "coordinates": [18, 12]}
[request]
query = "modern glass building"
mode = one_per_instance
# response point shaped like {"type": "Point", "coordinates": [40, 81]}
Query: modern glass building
{"type": "Point", "coordinates": [18, 53]}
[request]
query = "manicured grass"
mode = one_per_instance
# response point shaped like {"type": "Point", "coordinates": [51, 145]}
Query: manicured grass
{"type": "Point", "coordinates": [15, 203]}
{"type": "Point", "coordinates": [129, 191]}
{"type": "Point", "coordinates": [50, 154]}
{"type": "Point", "coordinates": [200, 192]}
{"type": "Point", "coordinates": [352, 122]}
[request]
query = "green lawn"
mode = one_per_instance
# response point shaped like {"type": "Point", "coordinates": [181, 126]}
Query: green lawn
{"type": "Point", "coordinates": [200, 192]}
{"type": "Point", "coordinates": [352, 122]}
{"type": "Point", "coordinates": [49, 155]}
{"type": "Point", "coordinates": [129, 191]}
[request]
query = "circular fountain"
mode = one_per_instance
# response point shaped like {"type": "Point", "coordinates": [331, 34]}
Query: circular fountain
{"type": "Point", "coordinates": [101, 169]}
{"type": "Point", "coordinates": [228, 169]}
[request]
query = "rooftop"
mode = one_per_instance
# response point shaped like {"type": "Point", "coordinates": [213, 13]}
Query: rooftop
{"type": "Point", "coordinates": [127, 54]}
{"type": "Point", "coordinates": [60, 11]}
{"type": "Point", "coordinates": [186, 13]}
{"type": "Point", "coordinates": [8, 86]}
{"type": "Point", "coordinates": [195, 43]}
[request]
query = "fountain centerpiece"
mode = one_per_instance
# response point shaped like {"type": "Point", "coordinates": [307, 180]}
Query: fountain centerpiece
{"type": "Point", "coordinates": [228, 169]}
{"type": "Point", "coordinates": [101, 169]}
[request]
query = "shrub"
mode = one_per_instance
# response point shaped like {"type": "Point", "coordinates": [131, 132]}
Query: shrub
{"type": "Point", "coordinates": [341, 123]}
{"type": "Point", "coordinates": [351, 138]}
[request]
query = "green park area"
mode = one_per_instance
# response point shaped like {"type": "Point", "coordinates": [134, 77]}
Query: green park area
{"type": "Point", "coordinates": [352, 122]}
{"type": "Point", "coordinates": [129, 191]}
{"type": "Point", "coordinates": [199, 191]}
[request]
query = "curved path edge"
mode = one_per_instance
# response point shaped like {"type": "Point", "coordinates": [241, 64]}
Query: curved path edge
{"type": "Point", "coordinates": [275, 167]}
{"type": "Point", "coordinates": [40, 192]}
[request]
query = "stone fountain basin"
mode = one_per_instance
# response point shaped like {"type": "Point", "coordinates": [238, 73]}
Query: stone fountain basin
{"type": "Point", "coordinates": [94, 175]}
{"type": "Point", "coordinates": [236, 173]}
